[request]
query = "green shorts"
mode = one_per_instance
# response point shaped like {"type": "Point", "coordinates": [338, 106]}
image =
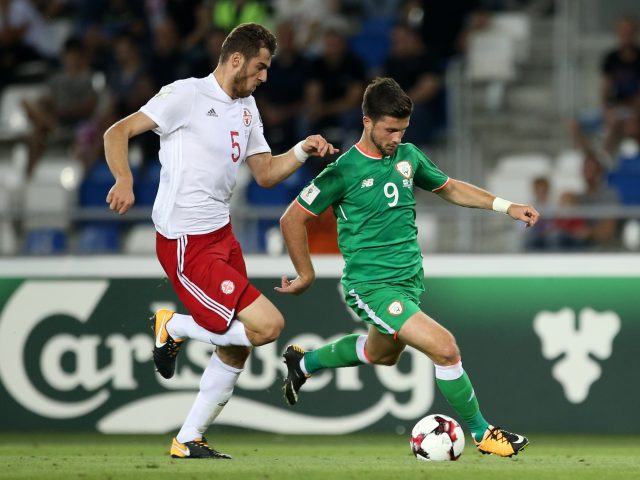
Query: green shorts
{"type": "Point", "coordinates": [386, 306]}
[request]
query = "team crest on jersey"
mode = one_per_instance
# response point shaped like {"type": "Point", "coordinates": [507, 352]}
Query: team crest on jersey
{"type": "Point", "coordinates": [246, 117]}
{"type": "Point", "coordinates": [395, 308]}
{"type": "Point", "coordinates": [404, 168]}
{"type": "Point", "coordinates": [227, 287]}
{"type": "Point", "coordinates": [367, 183]}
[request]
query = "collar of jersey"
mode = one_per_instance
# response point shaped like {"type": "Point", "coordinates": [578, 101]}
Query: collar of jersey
{"type": "Point", "coordinates": [368, 155]}
{"type": "Point", "coordinates": [212, 82]}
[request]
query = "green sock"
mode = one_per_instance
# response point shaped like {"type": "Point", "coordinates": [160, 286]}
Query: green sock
{"type": "Point", "coordinates": [460, 395]}
{"type": "Point", "coordinates": [341, 353]}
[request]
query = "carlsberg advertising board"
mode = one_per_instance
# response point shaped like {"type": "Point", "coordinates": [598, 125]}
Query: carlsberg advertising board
{"type": "Point", "coordinates": [546, 352]}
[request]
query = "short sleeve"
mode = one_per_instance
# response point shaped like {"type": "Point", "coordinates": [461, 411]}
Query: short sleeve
{"type": "Point", "coordinates": [324, 190]}
{"type": "Point", "coordinates": [428, 176]}
{"type": "Point", "coordinates": [257, 143]}
{"type": "Point", "coordinates": [171, 107]}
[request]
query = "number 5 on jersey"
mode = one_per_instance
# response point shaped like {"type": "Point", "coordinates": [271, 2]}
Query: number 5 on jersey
{"type": "Point", "coordinates": [235, 147]}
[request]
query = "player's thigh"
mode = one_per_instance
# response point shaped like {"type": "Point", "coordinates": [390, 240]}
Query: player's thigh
{"type": "Point", "coordinates": [261, 316]}
{"type": "Point", "coordinates": [382, 348]}
{"type": "Point", "coordinates": [384, 306]}
{"type": "Point", "coordinates": [426, 335]}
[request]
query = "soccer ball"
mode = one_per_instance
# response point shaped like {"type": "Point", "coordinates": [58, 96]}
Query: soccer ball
{"type": "Point", "coordinates": [437, 437]}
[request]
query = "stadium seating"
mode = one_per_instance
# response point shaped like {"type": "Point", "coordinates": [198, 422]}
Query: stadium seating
{"type": "Point", "coordinates": [372, 43]}
{"type": "Point", "coordinates": [140, 240]}
{"type": "Point", "coordinates": [626, 179]}
{"type": "Point", "coordinates": [45, 241]}
{"type": "Point", "coordinates": [95, 238]}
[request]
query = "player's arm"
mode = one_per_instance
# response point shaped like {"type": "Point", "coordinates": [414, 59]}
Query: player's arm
{"type": "Point", "coordinates": [467, 195]}
{"type": "Point", "coordinates": [269, 170]}
{"type": "Point", "coordinates": [116, 149]}
{"type": "Point", "coordinates": [293, 225]}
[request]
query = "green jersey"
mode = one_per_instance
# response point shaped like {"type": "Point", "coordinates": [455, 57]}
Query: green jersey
{"type": "Point", "coordinates": [373, 201]}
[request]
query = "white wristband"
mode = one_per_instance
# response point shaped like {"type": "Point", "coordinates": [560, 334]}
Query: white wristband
{"type": "Point", "coordinates": [300, 154]}
{"type": "Point", "coordinates": [501, 205]}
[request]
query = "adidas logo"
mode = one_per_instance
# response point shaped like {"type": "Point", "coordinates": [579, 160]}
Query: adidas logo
{"type": "Point", "coordinates": [212, 113]}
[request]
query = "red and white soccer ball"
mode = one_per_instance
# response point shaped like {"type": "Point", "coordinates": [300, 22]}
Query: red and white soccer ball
{"type": "Point", "coordinates": [437, 438]}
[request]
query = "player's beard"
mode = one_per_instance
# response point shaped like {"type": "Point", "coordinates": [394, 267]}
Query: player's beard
{"type": "Point", "coordinates": [239, 85]}
{"type": "Point", "coordinates": [388, 151]}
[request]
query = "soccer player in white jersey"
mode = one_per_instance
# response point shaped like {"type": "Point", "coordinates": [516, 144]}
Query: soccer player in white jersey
{"type": "Point", "coordinates": [208, 127]}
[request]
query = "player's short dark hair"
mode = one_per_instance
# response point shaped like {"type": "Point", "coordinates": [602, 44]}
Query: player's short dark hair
{"type": "Point", "coordinates": [384, 97]}
{"type": "Point", "coordinates": [248, 39]}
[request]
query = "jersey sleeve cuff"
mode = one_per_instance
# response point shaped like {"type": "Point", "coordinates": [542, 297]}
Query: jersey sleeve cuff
{"type": "Point", "coordinates": [442, 186]}
{"type": "Point", "coordinates": [305, 209]}
{"type": "Point", "coordinates": [161, 127]}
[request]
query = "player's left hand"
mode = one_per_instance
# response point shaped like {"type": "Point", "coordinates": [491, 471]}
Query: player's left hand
{"type": "Point", "coordinates": [296, 286]}
{"type": "Point", "coordinates": [317, 145]}
{"type": "Point", "coordinates": [525, 213]}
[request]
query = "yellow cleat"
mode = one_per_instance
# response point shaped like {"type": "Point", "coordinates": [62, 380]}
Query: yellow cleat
{"type": "Point", "coordinates": [165, 347]}
{"type": "Point", "coordinates": [197, 448]}
{"type": "Point", "coordinates": [500, 442]}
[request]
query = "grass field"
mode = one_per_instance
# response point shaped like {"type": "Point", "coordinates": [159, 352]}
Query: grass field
{"type": "Point", "coordinates": [265, 456]}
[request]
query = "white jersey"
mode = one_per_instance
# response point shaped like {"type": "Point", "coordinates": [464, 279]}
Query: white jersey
{"type": "Point", "coordinates": [204, 137]}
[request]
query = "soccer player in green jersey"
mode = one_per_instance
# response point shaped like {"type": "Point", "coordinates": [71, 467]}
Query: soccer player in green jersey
{"type": "Point", "coordinates": [370, 189]}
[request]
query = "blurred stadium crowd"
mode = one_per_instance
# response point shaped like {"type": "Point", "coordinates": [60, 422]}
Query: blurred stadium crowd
{"type": "Point", "coordinates": [70, 68]}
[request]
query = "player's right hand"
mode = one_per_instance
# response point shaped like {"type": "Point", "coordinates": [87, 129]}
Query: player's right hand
{"type": "Point", "coordinates": [296, 286]}
{"type": "Point", "coordinates": [317, 145]}
{"type": "Point", "coordinates": [120, 198]}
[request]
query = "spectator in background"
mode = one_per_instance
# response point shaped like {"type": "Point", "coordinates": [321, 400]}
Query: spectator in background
{"type": "Point", "coordinates": [71, 99]}
{"type": "Point", "coordinates": [621, 87]}
{"type": "Point", "coordinates": [420, 75]}
{"type": "Point", "coordinates": [203, 63]}
{"type": "Point", "coordinates": [167, 63]}
{"type": "Point", "coordinates": [539, 236]}
{"type": "Point", "coordinates": [601, 232]}
{"type": "Point", "coordinates": [570, 233]}
{"type": "Point", "coordinates": [191, 20]}
{"type": "Point", "coordinates": [282, 97]}
{"type": "Point", "coordinates": [443, 24]}
{"type": "Point", "coordinates": [334, 90]}
{"type": "Point", "coordinates": [621, 69]}
{"type": "Point", "coordinates": [23, 37]}
{"type": "Point", "coordinates": [104, 21]}
{"type": "Point", "coordinates": [308, 17]}
{"type": "Point", "coordinates": [124, 77]}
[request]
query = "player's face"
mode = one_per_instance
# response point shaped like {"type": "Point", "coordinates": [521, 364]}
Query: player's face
{"type": "Point", "coordinates": [252, 73]}
{"type": "Point", "coordinates": [386, 133]}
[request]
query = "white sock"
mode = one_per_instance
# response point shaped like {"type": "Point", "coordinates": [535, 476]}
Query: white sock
{"type": "Point", "coordinates": [184, 326]}
{"type": "Point", "coordinates": [216, 387]}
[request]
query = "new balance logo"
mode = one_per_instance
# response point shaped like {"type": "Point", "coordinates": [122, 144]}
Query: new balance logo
{"type": "Point", "coordinates": [212, 113]}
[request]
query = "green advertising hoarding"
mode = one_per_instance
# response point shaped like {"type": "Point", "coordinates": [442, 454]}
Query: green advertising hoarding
{"type": "Point", "coordinates": [552, 350]}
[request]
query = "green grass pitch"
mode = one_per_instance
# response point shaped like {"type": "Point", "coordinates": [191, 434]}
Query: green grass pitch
{"type": "Point", "coordinates": [266, 456]}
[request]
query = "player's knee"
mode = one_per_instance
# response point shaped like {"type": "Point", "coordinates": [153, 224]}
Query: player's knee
{"type": "Point", "coordinates": [270, 330]}
{"type": "Point", "coordinates": [232, 356]}
{"type": "Point", "coordinates": [448, 353]}
{"type": "Point", "coordinates": [384, 359]}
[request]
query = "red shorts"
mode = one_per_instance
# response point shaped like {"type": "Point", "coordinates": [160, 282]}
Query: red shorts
{"type": "Point", "coordinates": [209, 275]}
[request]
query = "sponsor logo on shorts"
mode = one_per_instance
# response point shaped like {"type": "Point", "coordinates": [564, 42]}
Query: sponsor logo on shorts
{"type": "Point", "coordinates": [404, 168]}
{"type": "Point", "coordinates": [310, 193]}
{"type": "Point", "coordinates": [227, 287]}
{"type": "Point", "coordinates": [395, 308]}
{"type": "Point", "coordinates": [246, 117]}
